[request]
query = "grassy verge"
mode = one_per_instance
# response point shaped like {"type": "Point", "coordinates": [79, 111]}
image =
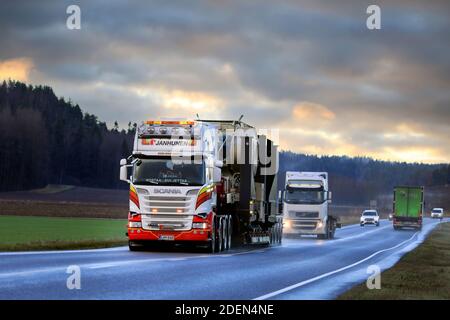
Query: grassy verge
{"type": "Point", "coordinates": [45, 233]}
{"type": "Point", "coordinates": [423, 273]}
{"type": "Point", "coordinates": [62, 209]}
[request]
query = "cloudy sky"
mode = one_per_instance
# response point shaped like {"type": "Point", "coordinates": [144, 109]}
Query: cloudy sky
{"type": "Point", "coordinates": [309, 68]}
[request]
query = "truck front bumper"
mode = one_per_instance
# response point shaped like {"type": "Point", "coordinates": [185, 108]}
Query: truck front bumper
{"type": "Point", "coordinates": [303, 226]}
{"type": "Point", "coordinates": [194, 235]}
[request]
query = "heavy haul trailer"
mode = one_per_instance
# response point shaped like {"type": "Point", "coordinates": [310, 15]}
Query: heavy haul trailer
{"type": "Point", "coordinates": [206, 182]}
{"type": "Point", "coordinates": [408, 207]}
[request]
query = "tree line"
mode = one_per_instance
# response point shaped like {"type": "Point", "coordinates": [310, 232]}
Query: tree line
{"type": "Point", "coordinates": [359, 180]}
{"type": "Point", "coordinates": [49, 140]}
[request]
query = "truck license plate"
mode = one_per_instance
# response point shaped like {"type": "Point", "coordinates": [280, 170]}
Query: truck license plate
{"type": "Point", "coordinates": [167, 238]}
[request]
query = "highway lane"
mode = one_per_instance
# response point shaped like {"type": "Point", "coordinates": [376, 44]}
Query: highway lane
{"type": "Point", "coordinates": [298, 269]}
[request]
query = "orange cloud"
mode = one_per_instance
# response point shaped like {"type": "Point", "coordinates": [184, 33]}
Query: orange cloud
{"type": "Point", "coordinates": [309, 110]}
{"type": "Point", "coordinates": [15, 69]}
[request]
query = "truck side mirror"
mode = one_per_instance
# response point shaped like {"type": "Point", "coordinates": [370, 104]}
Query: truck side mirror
{"type": "Point", "coordinates": [123, 170]}
{"type": "Point", "coordinates": [218, 163]}
{"type": "Point", "coordinates": [216, 175]}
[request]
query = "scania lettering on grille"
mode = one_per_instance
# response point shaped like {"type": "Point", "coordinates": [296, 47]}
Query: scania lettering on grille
{"type": "Point", "coordinates": [172, 191]}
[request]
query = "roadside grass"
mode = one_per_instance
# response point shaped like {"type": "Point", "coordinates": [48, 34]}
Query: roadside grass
{"type": "Point", "coordinates": [19, 233]}
{"type": "Point", "coordinates": [62, 209]}
{"type": "Point", "coordinates": [423, 273]}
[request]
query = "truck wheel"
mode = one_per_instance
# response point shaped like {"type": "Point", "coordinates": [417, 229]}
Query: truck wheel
{"type": "Point", "coordinates": [229, 232]}
{"type": "Point", "coordinates": [224, 233]}
{"type": "Point", "coordinates": [212, 244]}
{"type": "Point", "coordinates": [332, 231]}
{"type": "Point", "coordinates": [133, 247]}
{"type": "Point", "coordinates": [274, 238]}
{"type": "Point", "coordinates": [219, 233]}
{"type": "Point", "coordinates": [395, 228]}
{"type": "Point", "coordinates": [280, 229]}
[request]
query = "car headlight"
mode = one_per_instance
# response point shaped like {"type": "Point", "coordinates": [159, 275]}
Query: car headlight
{"type": "Point", "coordinates": [199, 225]}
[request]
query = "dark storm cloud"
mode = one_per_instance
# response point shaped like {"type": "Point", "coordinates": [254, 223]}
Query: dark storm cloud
{"type": "Point", "coordinates": [252, 57]}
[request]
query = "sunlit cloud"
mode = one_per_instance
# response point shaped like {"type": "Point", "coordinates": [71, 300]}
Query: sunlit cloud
{"type": "Point", "coordinates": [308, 68]}
{"type": "Point", "coordinates": [311, 111]}
{"type": "Point", "coordinates": [16, 69]}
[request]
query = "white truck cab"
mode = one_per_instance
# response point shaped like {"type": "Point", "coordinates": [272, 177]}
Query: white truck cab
{"type": "Point", "coordinates": [305, 205]}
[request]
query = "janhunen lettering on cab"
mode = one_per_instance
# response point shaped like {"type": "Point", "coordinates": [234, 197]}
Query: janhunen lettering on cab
{"type": "Point", "coordinates": [167, 142]}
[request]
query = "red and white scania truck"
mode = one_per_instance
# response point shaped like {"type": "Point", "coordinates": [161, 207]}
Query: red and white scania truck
{"type": "Point", "coordinates": [205, 182]}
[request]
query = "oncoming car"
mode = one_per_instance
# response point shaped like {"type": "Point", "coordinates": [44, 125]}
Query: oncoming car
{"type": "Point", "coordinates": [437, 213]}
{"type": "Point", "coordinates": [370, 217]}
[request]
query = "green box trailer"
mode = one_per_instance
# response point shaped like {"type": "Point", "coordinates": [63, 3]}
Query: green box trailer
{"type": "Point", "coordinates": [408, 207]}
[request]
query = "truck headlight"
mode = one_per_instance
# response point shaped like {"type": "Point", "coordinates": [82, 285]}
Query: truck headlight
{"type": "Point", "coordinates": [199, 225]}
{"type": "Point", "coordinates": [133, 224]}
{"type": "Point", "coordinates": [319, 224]}
{"type": "Point", "coordinates": [287, 223]}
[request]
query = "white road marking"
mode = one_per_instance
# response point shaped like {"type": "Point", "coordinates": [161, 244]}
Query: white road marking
{"type": "Point", "coordinates": [305, 282]}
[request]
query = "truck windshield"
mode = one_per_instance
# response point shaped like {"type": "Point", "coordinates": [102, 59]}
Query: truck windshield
{"type": "Point", "coordinates": [163, 171]}
{"type": "Point", "coordinates": [436, 211]}
{"type": "Point", "coordinates": [299, 196]}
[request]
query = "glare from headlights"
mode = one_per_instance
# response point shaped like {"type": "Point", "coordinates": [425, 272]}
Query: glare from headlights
{"type": "Point", "coordinates": [133, 224]}
{"type": "Point", "coordinates": [319, 224]}
{"type": "Point", "coordinates": [199, 225]}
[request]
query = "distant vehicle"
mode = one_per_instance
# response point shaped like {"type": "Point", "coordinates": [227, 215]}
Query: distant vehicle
{"type": "Point", "coordinates": [370, 217]}
{"type": "Point", "coordinates": [391, 216]}
{"type": "Point", "coordinates": [437, 213]}
{"type": "Point", "coordinates": [305, 205]}
{"type": "Point", "coordinates": [408, 207]}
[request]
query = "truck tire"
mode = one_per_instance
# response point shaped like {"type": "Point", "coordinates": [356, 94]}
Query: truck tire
{"type": "Point", "coordinates": [229, 231]}
{"type": "Point", "coordinates": [219, 233]}
{"type": "Point", "coordinates": [274, 234]}
{"type": "Point", "coordinates": [331, 232]}
{"type": "Point", "coordinates": [224, 232]}
{"type": "Point", "coordinates": [280, 233]}
{"type": "Point", "coordinates": [212, 243]}
{"type": "Point", "coordinates": [133, 247]}
{"type": "Point", "coordinates": [396, 228]}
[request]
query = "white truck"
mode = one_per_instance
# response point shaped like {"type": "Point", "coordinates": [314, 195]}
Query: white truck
{"type": "Point", "coordinates": [203, 182]}
{"type": "Point", "coordinates": [305, 205]}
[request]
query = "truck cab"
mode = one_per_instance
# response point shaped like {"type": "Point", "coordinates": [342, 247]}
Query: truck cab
{"type": "Point", "coordinates": [305, 205]}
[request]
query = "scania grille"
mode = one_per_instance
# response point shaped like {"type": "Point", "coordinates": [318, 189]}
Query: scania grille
{"type": "Point", "coordinates": [180, 222]}
{"type": "Point", "coordinates": [168, 204]}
